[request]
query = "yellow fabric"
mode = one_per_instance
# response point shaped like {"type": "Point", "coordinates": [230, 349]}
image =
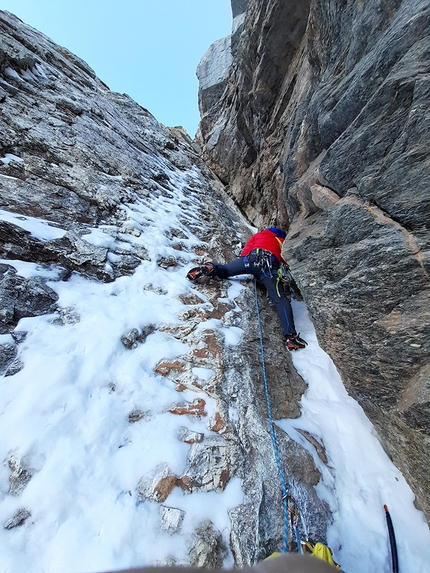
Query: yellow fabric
{"type": "Point", "coordinates": [323, 552]}
{"type": "Point", "coordinates": [276, 554]}
{"type": "Point", "coordinates": [319, 550]}
{"type": "Point", "coordinates": [278, 280]}
{"type": "Point", "coordinates": [279, 241]}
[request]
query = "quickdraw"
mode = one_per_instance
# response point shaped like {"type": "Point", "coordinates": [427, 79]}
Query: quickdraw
{"type": "Point", "coordinates": [284, 278]}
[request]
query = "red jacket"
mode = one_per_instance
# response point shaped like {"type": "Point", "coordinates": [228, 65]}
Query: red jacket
{"type": "Point", "coordinates": [266, 240]}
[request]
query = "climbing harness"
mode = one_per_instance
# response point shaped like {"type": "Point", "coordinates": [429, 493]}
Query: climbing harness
{"type": "Point", "coordinates": [272, 430]}
{"type": "Point", "coordinates": [262, 259]}
{"type": "Point", "coordinates": [393, 544]}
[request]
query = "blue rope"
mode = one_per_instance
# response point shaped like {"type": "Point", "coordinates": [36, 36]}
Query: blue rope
{"type": "Point", "coordinates": [272, 430]}
{"type": "Point", "coordinates": [298, 540]}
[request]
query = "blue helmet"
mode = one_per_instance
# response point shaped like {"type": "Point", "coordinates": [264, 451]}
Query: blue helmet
{"type": "Point", "coordinates": [279, 232]}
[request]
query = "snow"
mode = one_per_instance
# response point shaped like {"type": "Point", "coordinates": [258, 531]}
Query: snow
{"type": "Point", "coordinates": [203, 373]}
{"type": "Point", "coordinates": [39, 228]}
{"type": "Point", "coordinates": [10, 157]}
{"type": "Point", "coordinates": [66, 415]}
{"type": "Point", "coordinates": [359, 477]}
{"type": "Point", "coordinates": [99, 238]}
{"type": "Point", "coordinates": [12, 73]}
{"type": "Point", "coordinates": [27, 270]}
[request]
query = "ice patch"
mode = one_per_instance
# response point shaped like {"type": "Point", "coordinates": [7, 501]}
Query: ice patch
{"type": "Point", "coordinates": [12, 73]}
{"type": "Point", "coordinates": [203, 373]}
{"type": "Point", "coordinates": [39, 228]}
{"type": "Point", "coordinates": [10, 157]}
{"type": "Point", "coordinates": [99, 238]}
{"type": "Point", "coordinates": [28, 270]}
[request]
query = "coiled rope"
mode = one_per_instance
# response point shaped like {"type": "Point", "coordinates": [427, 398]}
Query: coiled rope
{"type": "Point", "coordinates": [272, 430]}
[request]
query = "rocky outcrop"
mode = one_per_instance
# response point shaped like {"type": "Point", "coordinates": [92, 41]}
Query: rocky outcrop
{"type": "Point", "coordinates": [323, 127]}
{"type": "Point", "coordinates": [68, 157]}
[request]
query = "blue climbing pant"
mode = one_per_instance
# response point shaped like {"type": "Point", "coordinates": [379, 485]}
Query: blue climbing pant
{"type": "Point", "coordinates": [251, 264]}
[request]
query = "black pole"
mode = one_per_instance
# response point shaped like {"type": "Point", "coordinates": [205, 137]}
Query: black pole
{"type": "Point", "coordinates": [392, 537]}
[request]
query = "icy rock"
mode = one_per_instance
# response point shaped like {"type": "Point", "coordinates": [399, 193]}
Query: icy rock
{"type": "Point", "coordinates": [7, 354]}
{"type": "Point", "coordinates": [136, 416]}
{"type": "Point", "coordinates": [142, 253]}
{"type": "Point", "coordinates": [18, 519]}
{"type": "Point", "coordinates": [194, 408]}
{"type": "Point", "coordinates": [188, 436]}
{"type": "Point", "coordinates": [211, 463]}
{"type": "Point", "coordinates": [20, 475]}
{"type": "Point", "coordinates": [156, 290]}
{"type": "Point", "coordinates": [206, 547]}
{"type": "Point", "coordinates": [129, 340]}
{"type": "Point", "coordinates": [157, 485]}
{"type": "Point", "coordinates": [16, 366]}
{"type": "Point", "coordinates": [171, 519]}
{"type": "Point", "coordinates": [167, 262]}
{"type": "Point", "coordinates": [20, 297]}
{"type": "Point", "coordinates": [67, 316]}
{"type": "Point", "coordinates": [85, 252]}
{"type": "Point", "coordinates": [19, 336]}
{"type": "Point", "coordinates": [133, 336]}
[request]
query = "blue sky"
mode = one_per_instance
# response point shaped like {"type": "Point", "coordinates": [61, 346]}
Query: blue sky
{"type": "Point", "coordinates": [148, 49]}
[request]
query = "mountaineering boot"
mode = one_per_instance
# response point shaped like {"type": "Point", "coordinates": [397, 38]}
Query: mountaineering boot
{"type": "Point", "coordinates": [294, 342]}
{"type": "Point", "coordinates": [198, 272]}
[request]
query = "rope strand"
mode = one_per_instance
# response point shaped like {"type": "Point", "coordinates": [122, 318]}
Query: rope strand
{"type": "Point", "coordinates": [272, 429]}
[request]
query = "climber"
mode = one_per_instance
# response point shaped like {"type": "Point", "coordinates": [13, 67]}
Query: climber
{"type": "Point", "coordinates": [261, 257]}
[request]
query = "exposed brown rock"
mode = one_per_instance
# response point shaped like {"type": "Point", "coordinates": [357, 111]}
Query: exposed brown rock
{"type": "Point", "coordinates": [195, 408]}
{"type": "Point", "coordinates": [164, 368]}
{"type": "Point", "coordinates": [158, 485]}
{"type": "Point", "coordinates": [164, 487]}
{"type": "Point", "coordinates": [218, 424]}
{"type": "Point", "coordinates": [188, 484]}
{"type": "Point", "coordinates": [219, 310]}
{"type": "Point", "coordinates": [166, 263]}
{"type": "Point", "coordinates": [190, 299]}
{"type": "Point", "coordinates": [210, 339]}
{"type": "Point", "coordinates": [200, 353]}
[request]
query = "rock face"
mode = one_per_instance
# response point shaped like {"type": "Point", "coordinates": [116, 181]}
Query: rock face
{"type": "Point", "coordinates": [66, 156]}
{"type": "Point", "coordinates": [75, 161]}
{"type": "Point", "coordinates": [323, 127]}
